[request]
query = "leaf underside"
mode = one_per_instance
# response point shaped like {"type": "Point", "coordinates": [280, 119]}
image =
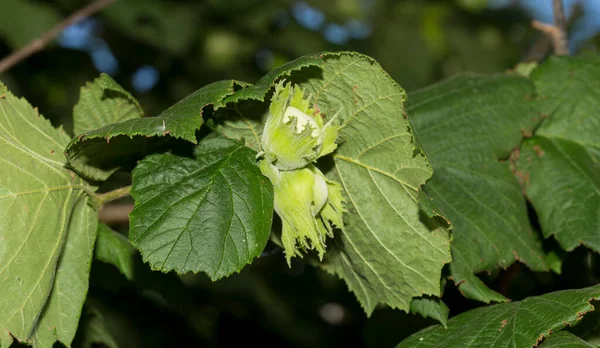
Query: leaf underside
{"type": "Point", "coordinates": [46, 229]}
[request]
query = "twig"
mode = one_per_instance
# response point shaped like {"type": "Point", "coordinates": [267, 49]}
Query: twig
{"type": "Point", "coordinates": [557, 31]}
{"type": "Point", "coordinates": [41, 42]}
{"type": "Point", "coordinates": [115, 214]}
{"type": "Point", "coordinates": [109, 196]}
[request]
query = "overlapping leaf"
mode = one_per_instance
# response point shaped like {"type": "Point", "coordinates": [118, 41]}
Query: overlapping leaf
{"type": "Point", "coordinates": [564, 339]}
{"type": "Point", "coordinates": [60, 317]}
{"type": "Point", "coordinates": [466, 125]}
{"type": "Point", "coordinates": [388, 252]}
{"type": "Point", "coordinates": [560, 167]}
{"type": "Point", "coordinates": [41, 207]}
{"type": "Point", "coordinates": [211, 214]}
{"type": "Point", "coordinates": [98, 153]}
{"type": "Point", "coordinates": [517, 324]}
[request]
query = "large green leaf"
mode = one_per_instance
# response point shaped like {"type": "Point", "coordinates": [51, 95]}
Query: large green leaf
{"type": "Point", "coordinates": [562, 180]}
{"type": "Point", "coordinates": [564, 339]}
{"type": "Point", "coordinates": [392, 253]}
{"type": "Point", "coordinates": [103, 102]}
{"type": "Point", "coordinates": [100, 152]}
{"type": "Point", "coordinates": [211, 214]}
{"type": "Point", "coordinates": [388, 252]}
{"type": "Point", "coordinates": [560, 167]}
{"type": "Point", "coordinates": [61, 314]}
{"type": "Point", "coordinates": [466, 126]}
{"type": "Point", "coordinates": [517, 324]}
{"type": "Point", "coordinates": [40, 204]}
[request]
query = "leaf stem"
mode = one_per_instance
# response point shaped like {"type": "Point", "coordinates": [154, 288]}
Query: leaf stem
{"type": "Point", "coordinates": [109, 196]}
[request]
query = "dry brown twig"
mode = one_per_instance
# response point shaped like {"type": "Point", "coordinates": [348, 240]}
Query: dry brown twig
{"type": "Point", "coordinates": [557, 31]}
{"type": "Point", "coordinates": [49, 36]}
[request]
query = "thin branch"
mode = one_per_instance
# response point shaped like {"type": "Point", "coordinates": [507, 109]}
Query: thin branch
{"type": "Point", "coordinates": [115, 214]}
{"type": "Point", "coordinates": [109, 196]}
{"type": "Point", "coordinates": [556, 32]}
{"type": "Point", "coordinates": [41, 42]}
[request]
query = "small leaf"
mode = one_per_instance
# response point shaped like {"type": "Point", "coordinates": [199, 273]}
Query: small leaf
{"type": "Point", "coordinates": [517, 324]}
{"type": "Point", "coordinates": [41, 207]}
{"type": "Point", "coordinates": [114, 248]}
{"type": "Point", "coordinates": [433, 308]}
{"type": "Point", "coordinates": [100, 152]}
{"type": "Point", "coordinates": [466, 125]}
{"type": "Point", "coordinates": [564, 339]}
{"type": "Point", "coordinates": [101, 103]}
{"type": "Point", "coordinates": [211, 214]}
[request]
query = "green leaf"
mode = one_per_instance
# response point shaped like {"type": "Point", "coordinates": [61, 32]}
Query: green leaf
{"type": "Point", "coordinates": [516, 324]}
{"type": "Point", "coordinates": [466, 126]}
{"type": "Point", "coordinates": [433, 308]}
{"type": "Point", "coordinates": [114, 248]}
{"type": "Point", "coordinates": [564, 339]}
{"type": "Point", "coordinates": [40, 204]}
{"type": "Point", "coordinates": [99, 153]}
{"type": "Point", "coordinates": [211, 214]}
{"type": "Point", "coordinates": [562, 180]}
{"type": "Point", "coordinates": [391, 253]}
{"type": "Point", "coordinates": [570, 91]}
{"type": "Point", "coordinates": [103, 102]}
{"type": "Point", "coordinates": [560, 167]}
{"type": "Point", "coordinates": [60, 317]}
{"type": "Point", "coordinates": [18, 32]}
{"type": "Point", "coordinates": [589, 328]}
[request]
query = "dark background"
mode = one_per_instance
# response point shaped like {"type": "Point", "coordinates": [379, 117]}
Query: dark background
{"type": "Point", "coordinates": [163, 50]}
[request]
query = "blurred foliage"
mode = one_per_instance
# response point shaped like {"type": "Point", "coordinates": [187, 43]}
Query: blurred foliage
{"type": "Point", "coordinates": [193, 43]}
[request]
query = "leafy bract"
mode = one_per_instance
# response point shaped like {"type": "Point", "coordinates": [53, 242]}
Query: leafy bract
{"type": "Point", "coordinates": [98, 153]}
{"type": "Point", "coordinates": [517, 324]}
{"type": "Point", "coordinates": [211, 214]}
{"type": "Point", "coordinates": [114, 248]}
{"type": "Point", "coordinates": [564, 339]}
{"type": "Point", "coordinates": [560, 167]}
{"type": "Point", "coordinates": [46, 232]}
{"type": "Point", "coordinates": [103, 102]}
{"type": "Point", "coordinates": [242, 116]}
{"type": "Point", "coordinates": [466, 125]}
{"type": "Point", "coordinates": [388, 252]}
